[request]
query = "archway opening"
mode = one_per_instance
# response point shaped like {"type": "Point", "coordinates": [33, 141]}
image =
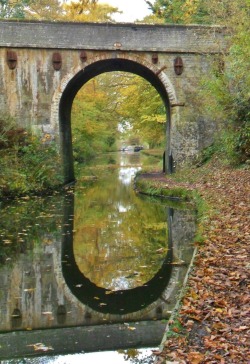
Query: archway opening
{"type": "Point", "coordinates": [89, 73]}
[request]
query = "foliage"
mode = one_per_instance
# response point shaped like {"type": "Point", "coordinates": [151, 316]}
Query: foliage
{"type": "Point", "coordinates": [197, 11]}
{"type": "Point", "coordinates": [226, 93]}
{"type": "Point", "coordinates": [13, 9]}
{"type": "Point", "coordinates": [145, 110]}
{"type": "Point", "coordinates": [179, 11]}
{"type": "Point", "coordinates": [226, 12]}
{"type": "Point", "coordinates": [139, 109]}
{"type": "Point", "coordinates": [82, 10]}
{"type": "Point", "coordinates": [94, 126]}
{"type": "Point", "coordinates": [88, 11]}
{"type": "Point", "coordinates": [26, 164]}
{"type": "Point", "coordinates": [113, 102]}
{"type": "Point", "coordinates": [11, 136]}
{"type": "Point", "coordinates": [152, 19]}
{"type": "Point", "coordinates": [44, 10]}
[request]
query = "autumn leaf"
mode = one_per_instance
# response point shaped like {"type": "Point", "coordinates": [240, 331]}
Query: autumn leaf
{"type": "Point", "coordinates": [41, 347]}
{"type": "Point", "coordinates": [216, 306]}
{"type": "Point", "coordinates": [195, 357]}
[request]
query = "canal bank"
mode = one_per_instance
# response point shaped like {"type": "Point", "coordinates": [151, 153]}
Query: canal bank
{"type": "Point", "coordinates": [212, 324]}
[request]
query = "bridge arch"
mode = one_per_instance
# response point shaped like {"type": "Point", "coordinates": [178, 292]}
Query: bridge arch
{"type": "Point", "coordinates": [64, 96]}
{"type": "Point", "coordinates": [40, 95]}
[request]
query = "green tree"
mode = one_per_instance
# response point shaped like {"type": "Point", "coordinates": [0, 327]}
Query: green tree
{"type": "Point", "coordinates": [93, 123]}
{"type": "Point", "coordinates": [179, 11]}
{"type": "Point", "coordinates": [138, 106]}
{"type": "Point", "coordinates": [116, 101]}
{"type": "Point", "coordinates": [13, 9]}
{"type": "Point", "coordinates": [44, 10]}
{"type": "Point", "coordinates": [226, 93]}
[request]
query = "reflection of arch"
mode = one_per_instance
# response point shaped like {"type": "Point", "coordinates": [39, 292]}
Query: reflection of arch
{"type": "Point", "coordinates": [101, 299]}
{"type": "Point", "coordinates": [64, 98]}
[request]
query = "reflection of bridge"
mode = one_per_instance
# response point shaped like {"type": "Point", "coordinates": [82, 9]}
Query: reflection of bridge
{"type": "Point", "coordinates": [43, 65]}
{"type": "Point", "coordinates": [82, 339]}
{"type": "Point", "coordinates": [102, 300]}
{"type": "Point", "coordinates": [40, 299]}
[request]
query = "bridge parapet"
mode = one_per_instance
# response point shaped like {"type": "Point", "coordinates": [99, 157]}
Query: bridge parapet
{"type": "Point", "coordinates": [113, 36]}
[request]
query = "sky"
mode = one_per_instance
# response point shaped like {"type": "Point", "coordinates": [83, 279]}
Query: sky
{"type": "Point", "coordinates": [104, 357]}
{"type": "Point", "coordinates": [132, 9]}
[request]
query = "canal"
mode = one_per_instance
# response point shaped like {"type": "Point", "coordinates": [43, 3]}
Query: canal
{"type": "Point", "coordinates": [94, 272]}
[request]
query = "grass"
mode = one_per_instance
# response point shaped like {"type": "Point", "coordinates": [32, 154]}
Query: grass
{"type": "Point", "coordinates": [180, 187]}
{"type": "Point", "coordinates": [153, 188]}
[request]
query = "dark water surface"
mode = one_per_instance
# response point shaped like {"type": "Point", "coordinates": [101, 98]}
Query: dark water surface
{"type": "Point", "coordinates": [96, 268]}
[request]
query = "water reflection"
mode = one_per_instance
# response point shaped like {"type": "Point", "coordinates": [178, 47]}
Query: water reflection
{"type": "Point", "coordinates": [116, 252]}
{"type": "Point", "coordinates": [97, 254]}
{"type": "Point", "coordinates": [120, 239]}
{"type": "Point", "coordinates": [103, 299]}
{"type": "Point", "coordinates": [129, 165]}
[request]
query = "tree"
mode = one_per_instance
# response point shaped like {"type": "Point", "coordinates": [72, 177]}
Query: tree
{"type": "Point", "coordinates": [94, 125]}
{"type": "Point", "coordinates": [82, 10]}
{"type": "Point", "coordinates": [226, 93]}
{"type": "Point", "coordinates": [115, 99]}
{"type": "Point", "coordinates": [88, 11]}
{"type": "Point", "coordinates": [179, 11]}
{"type": "Point", "coordinates": [13, 9]}
{"type": "Point", "coordinates": [44, 10]}
{"type": "Point", "coordinates": [152, 19]}
{"type": "Point", "coordinates": [139, 107]}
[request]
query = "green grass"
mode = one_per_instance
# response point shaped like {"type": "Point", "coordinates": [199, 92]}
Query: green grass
{"type": "Point", "coordinates": [153, 189]}
{"type": "Point", "coordinates": [182, 197]}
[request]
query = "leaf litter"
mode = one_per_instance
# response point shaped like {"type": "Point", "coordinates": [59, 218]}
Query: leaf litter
{"type": "Point", "coordinates": [215, 310]}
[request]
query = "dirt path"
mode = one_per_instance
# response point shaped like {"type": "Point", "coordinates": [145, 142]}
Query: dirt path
{"type": "Point", "coordinates": [215, 312]}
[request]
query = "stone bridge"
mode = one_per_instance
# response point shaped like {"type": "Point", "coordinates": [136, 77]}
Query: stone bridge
{"type": "Point", "coordinates": [44, 64]}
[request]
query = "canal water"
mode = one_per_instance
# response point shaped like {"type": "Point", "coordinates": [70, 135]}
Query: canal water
{"type": "Point", "coordinates": [92, 273]}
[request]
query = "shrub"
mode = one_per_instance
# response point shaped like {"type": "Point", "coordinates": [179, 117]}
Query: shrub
{"type": "Point", "coordinates": [26, 164]}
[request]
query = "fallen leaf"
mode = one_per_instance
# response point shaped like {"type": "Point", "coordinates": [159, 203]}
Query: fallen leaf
{"type": "Point", "coordinates": [195, 357]}
{"type": "Point", "coordinates": [41, 347]}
